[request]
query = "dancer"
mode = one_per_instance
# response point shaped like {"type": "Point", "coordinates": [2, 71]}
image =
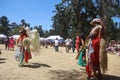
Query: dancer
{"type": "Point", "coordinates": [97, 57]}
{"type": "Point", "coordinates": [82, 52]}
{"type": "Point", "coordinates": [28, 43]}
{"type": "Point", "coordinates": [23, 51]}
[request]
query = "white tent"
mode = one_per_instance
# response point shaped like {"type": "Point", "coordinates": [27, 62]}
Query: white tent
{"type": "Point", "coordinates": [15, 36]}
{"type": "Point", "coordinates": [3, 36]}
{"type": "Point", "coordinates": [41, 38]}
{"type": "Point", "coordinates": [54, 37]}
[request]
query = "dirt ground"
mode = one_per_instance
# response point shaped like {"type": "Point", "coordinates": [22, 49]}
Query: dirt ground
{"type": "Point", "coordinates": [51, 65]}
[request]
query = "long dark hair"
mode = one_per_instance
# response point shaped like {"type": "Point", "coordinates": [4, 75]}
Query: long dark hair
{"type": "Point", "coordinates": [82, 36]}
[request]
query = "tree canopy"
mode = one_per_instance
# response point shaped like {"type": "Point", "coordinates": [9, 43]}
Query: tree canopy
{"type": "Point", "coordinates": [72, 17]}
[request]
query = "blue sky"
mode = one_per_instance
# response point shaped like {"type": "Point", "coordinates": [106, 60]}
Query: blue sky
{"type": "Point", "coordinates": [35, 12]}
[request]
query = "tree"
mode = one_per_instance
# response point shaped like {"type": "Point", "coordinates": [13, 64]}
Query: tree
{"type": "Point", "coordinates": [61, 19]}
{"type": "Point", "coordinates": [74, 16]}
{"type": "Point", "coordinates": [23, 23]}
{"type": "Point", "coordinates": [46, 33]}
{"type": "Point", "coordinates": [14, 28]}
{"type": "Point", "coordinates": [4, 27]}
{"type": "Point", "coordinates": [40, 31]}
{"type": "Point", "coordinates": [106, 10]}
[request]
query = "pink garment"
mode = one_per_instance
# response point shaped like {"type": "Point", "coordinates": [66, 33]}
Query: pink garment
{"type": "Point", "coordinates": [77, 43]}
{"type": "Point", "coordinates": [11, 43]}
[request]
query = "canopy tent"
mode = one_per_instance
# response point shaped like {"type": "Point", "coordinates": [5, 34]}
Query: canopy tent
{"type": "Point", "coordinates": [15, 36]}
{"type": "Point", "coordinates": [41, 38]}
{"type": "Point", "coordinates": [2, 36]}
{"type": "Point", "coordinates": [53, 37]}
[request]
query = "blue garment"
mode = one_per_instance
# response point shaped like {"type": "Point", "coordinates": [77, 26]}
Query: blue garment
{"type": "Point", "coordinates": [82, 62]}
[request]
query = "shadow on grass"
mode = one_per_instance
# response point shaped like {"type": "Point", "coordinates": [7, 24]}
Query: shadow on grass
{"type": "Point", "coordinates": [76, 75]}
{"type": "Point", "coordinates": [68, 75]}
{"type": "Point", "coordinates": [36, 65]}
{"type": "Point", "coordinates": [2, 60]}
{"type": "Point", "coordinates": [111, 77]}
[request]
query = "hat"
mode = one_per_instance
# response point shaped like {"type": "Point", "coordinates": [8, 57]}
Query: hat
{"type": "Point", "coordinates": [96, 20]}
{"type": "Point", "coordinates": [22, 30]}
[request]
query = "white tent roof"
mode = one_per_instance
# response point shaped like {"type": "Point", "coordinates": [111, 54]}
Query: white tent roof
{"type": "Point", "coordinates": [15, 36]}
{"type": "Point", "coordinates": [3, 36]}
{"type": "Point", "coordinates": [54, 37]}
{"type": "Point", "coordinates": [42, 39]}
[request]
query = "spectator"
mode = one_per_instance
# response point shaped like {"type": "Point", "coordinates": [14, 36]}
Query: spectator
{"type": "Point", "coordinates": [73, 44]}
{"type": "Point", "coordinates": [56, 45]}
{"type": "Point", "coordinates": [7, 43]}
{"type": "Point", "coordinates": [68, 44]}
{"type": "Point", "coordinates": [11, 44]}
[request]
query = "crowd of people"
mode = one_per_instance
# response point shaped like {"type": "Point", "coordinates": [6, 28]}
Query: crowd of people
{"type": "Point", "coordinates": [9, 43]}
{"type": "Point", "coordinates": [114, 47]}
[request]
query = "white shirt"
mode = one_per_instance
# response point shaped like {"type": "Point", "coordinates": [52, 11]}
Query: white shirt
{"type": "Point", "coordinates": [68, 41]}
{"type": "Point", "coordinates": [56, 43]}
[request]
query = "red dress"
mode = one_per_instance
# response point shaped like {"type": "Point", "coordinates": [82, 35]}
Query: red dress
{"type": "Point", "coordinates": [77, 44]}
{"type": "Point", "coordinates": [27, 56]}
{"type": "Point", "coordinates": [11, 43]}
{"type": "Point", "coordinates": [94, 57]}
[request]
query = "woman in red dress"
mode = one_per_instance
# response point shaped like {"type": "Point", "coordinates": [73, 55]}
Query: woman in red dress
{"type": "Point", "coordinates": [77, 44]}
{"type": "Point", "coordinates": [11, 44]}
{"type": "Point", "coordinates": [96, 50]}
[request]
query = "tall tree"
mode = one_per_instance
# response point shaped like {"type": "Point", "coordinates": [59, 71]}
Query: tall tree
{"type": "Point", "coordinates": [40, 30]}
{"type": "Point", "coordinates": [4, 27]}
{"type": "Point", "coordinates": [14, 28]}
{"type": "Point", "coordinates": [61, 19]}
{"type": "Point", "coordinates": [74, 16]}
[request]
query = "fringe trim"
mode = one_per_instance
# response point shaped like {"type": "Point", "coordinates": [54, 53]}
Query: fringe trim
{"type": "Point", "coordinates": [103, 56]}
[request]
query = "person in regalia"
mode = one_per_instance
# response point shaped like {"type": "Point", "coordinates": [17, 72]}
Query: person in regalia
{"type": "Point", "coordinates": [97, 57]}
{"type": "Point", "coordinates": [23, 52]}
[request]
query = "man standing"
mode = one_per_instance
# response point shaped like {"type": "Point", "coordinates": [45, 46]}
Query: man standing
{"type": "Point", "coordinates": [7, 43]}
{"type": "Point", "coordinates": [56, 44]}
{"type": "Point", "coordinates": [68, 44]}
